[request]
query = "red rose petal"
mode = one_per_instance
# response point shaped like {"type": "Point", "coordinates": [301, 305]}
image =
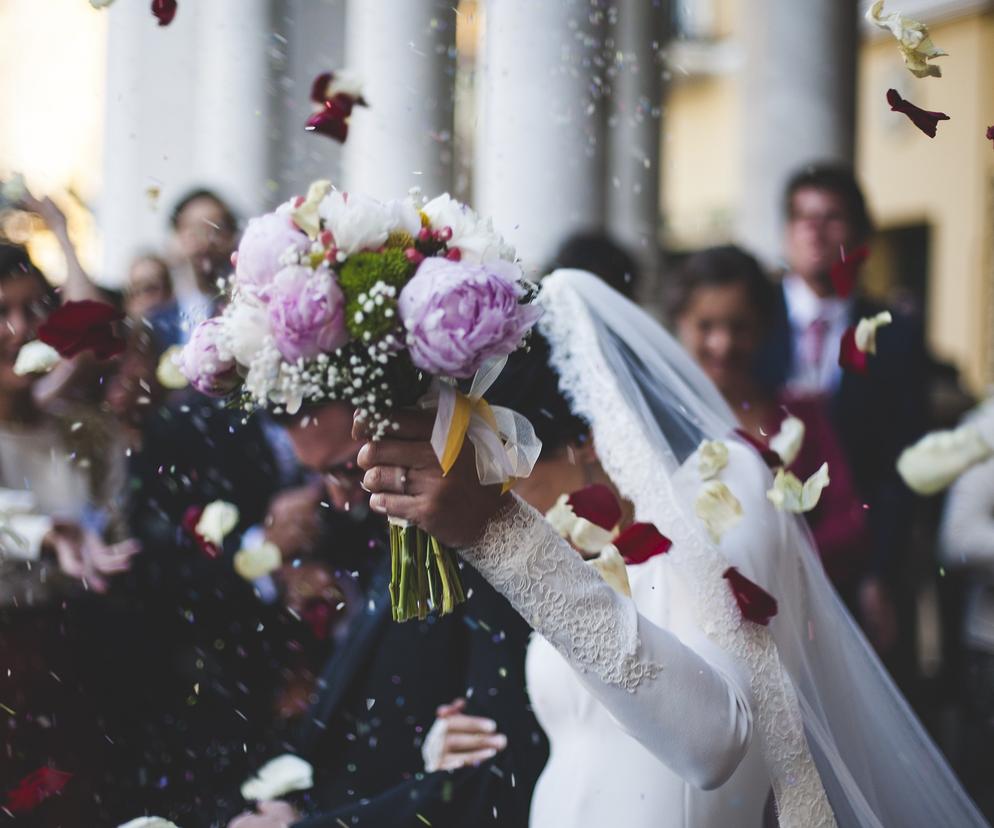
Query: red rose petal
{"type": "Point", "coordinates": [844, 272]}
{"type": "Point", "coordinates": [164, 11]}
{"type": "Point", "coordinates": [318, 87]}
{"type": "Point", "coordinates": [770, 457]}
{"type": "Point", "coordinates": [318, 615]}
{"type": "Point", "coordinates": [990, 133]}
{"type": "Point", "coordinates": [35, 788]}
{"type": "Point", "coordinates": [641, 541]}
{"type": "Point", "coordinates": [191, 517]}
{"type": "Point", "coordinates": [329, 124]}
{"type": "Point", "coordinates": [598, 504]}
{"type": "Point", "coordinates": [755, 603]}
{"type": "Point", "coordinates": [83, 326]}
{"type": "Point", "coordinates": [927, 122]}
{"type": "Point", "coordinates": [852, 358]}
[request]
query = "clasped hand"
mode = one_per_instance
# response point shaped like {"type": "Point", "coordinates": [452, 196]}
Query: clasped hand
{"type": "Point", "coordinates": [405, 481]}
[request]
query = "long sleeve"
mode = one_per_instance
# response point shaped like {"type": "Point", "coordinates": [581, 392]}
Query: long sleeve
{"type": "Point", "coordinates": [967, 534]}
{"type": "Point", "coordinates": [693, 716]}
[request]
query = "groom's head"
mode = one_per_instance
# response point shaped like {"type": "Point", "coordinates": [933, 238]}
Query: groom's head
{"type": "Point", "coordinates": [322, 440]}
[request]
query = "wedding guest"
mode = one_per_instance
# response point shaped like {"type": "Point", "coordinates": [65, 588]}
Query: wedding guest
{"type": "Point", "coordinates": [875, 414]}
{"type": "Point", "coordinates": [720, 305]}
{"type": "Point", "coordinates": [967, 545]}
{"type": "Point", "coordinates": [380, 690]}
{"type": "Point", "coordinates": [598, 253]}
{"type": "Point", "coordinates": [149, 286]}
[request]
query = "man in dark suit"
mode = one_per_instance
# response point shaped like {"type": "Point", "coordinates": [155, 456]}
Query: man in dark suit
{"type": "Point", "coordinates": [876, 414]}
{"type": "Point", "coordinates": [378, 693]}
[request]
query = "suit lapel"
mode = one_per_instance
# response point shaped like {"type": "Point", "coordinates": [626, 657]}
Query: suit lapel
{"type": "Point", "coordinates": [350, 656]}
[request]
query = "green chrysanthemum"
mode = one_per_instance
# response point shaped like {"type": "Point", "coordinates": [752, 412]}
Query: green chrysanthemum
{"type": "Point", "coordinates": [371, 283]}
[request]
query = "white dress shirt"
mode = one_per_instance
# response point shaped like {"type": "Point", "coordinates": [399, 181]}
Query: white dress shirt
{"type": "Point", "coordinates": [814, 373]}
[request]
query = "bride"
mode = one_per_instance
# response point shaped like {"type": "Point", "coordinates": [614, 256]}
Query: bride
{"type": "Point", "coordinates": [670, 708]}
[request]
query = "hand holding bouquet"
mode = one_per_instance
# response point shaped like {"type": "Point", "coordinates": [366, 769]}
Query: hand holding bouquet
{"type": "Point", "coordinates": [382, 305]}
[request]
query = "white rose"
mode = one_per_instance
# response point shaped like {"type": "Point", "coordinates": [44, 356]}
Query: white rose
{"type": "Point", "coordinates": [866, 331]}
{"type": "Point", "coordinates": [788, 440]}
{"type": "Point", "coordinates": [790, 495]}
{"type": "Point", "coordinates": [278, 777]}
{"type": "Point", "coordinates": [404, 216]}
{"type": "Point", "coordinates": [258, 561]}
{"type": "Point", "coordinates": [611, 566]}
{"type": "Point", "coordinates": [36, 358]}
{"type": "Point", "coordinates": [474, 237]}
{"type": "Point", "coordinates": [356, 221]}
{"type": "Point", "coordinates": [168, 372]}
{"type": "Point", "coordinates": [712, 457]}
{"type": "Point", "coordinates": [937, 459]}
{"type": "Point", "coordinates": [148, 822]}
{"type": "Point", "coordinates": [717, 508]}
{"type": "Point", "coordinates": [217, 521]}
{"type": "Point", "coordinates": [246, 326]}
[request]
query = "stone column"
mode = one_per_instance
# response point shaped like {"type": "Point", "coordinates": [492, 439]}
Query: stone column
{"type": "Point", "coordinates": [798, 103]}
{"type": "Point", "coordinates": [639, 34]}
{"type": "Point", "coordinates": [539, 168]}
{"type": "Point", "coordinates": [404, 53]}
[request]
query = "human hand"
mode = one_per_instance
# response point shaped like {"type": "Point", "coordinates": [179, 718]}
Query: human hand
{"type": "Point", "coordinates": [48, 210]}
{"type": "Point", "coordinates": [82, 555]}
{"type": "Point", "coordinates": [292, 523]}
{"type": "Point", "coordinates": [878, 614]}
{"type": "Point", "coordinates": [406, 481]}
{"type": "Point", "coordinates": [306, 582]}
{"type": "Point", "coordinates": [271, 814]}
{"type": "Point", "coordinates": [456, 740]}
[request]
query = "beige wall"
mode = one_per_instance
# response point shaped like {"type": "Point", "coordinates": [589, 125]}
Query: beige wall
{"type": "Point", "coordinates": [947, 182]}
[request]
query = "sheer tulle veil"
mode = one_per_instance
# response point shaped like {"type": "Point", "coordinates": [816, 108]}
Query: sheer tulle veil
{"type": "Point", "coordinates": [835, 730]}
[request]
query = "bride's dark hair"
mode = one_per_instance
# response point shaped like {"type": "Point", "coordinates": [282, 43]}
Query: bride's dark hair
{"type": "Point", "coordinates": [529, 385]}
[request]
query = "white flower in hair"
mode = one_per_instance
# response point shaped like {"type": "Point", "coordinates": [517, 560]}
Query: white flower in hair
{"type": "Point", "coordinates": [278, 777]}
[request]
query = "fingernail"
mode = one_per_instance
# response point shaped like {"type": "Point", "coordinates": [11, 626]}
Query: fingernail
{"type": "Point", "coordinates": [490, 725]}
{"type": "Point", "coordinates": [490, 753]}
{"type": "Point", "coordinates": [499, 741]}
{"type": "Point", "coordinates": [376, 503]}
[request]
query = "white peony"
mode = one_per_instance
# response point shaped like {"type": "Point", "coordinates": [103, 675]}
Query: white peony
{"type": "Point", "coordinates": [474, 237]}
{"type": "Point", "coordinates": [217, 521]}
{"type": "Point", "coordinates": [246, 327]}
{"type": "Point", "coordinates": [611, 566]}
{"type": "Point", "coordinates": [257, 561]}
{"type": "Point", "coordinates": [356, 221]}
{"type": "Point", "coordinates": [168, 371]}
{"type": "Point", "coordinates": [278, 777]}
{"type": "Point", "coordinates": [866, 331]}
{"type": "Point", "coordinates": [937, 459]}
{"type": "Point", "coordinates": [35, 358]}
{"type": "Point", "coordinates": [788, 440]}
{"type": "Point", "coordinates": [790, 495]}
{"type": "Point", "coordinates": [150, 821]}
{"type": "Point", "coordinates": [712, 457]}
{"type": "Point", "coordinates": [717, 508]}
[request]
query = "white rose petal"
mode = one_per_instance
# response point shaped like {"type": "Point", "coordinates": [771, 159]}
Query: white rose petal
{"type": "Point", "coordinates": [344, 82]}
{"type": "Point", "coordinates": [717, 508]}
{"type": "Point", "coordinates": [150, 821]}
{"type": "Point", "coordinates": [217, 521]}
{"type": "Point", "coordinates": [611, 566]}
{"type": "Point", "coordinates": [937, 459]}
{"type": "Point", "coordinates": [866, 331]}
{"type": "Point", "coordinates": [913, 40]}
{"type": "Point", "coordinates": [278, 777]}
{"type": "Point", "coordinates": [712, 457]}
{"type": "Point", "coordinates": [258, 560]}
{"type": "Point", "coordinates": [790, 495]}
{"type": "Point", "coordinates": [168, 372]}
{"type": "Point", "coordinates": [788, 440]}
{"type": "Point", "coordinates": [582, 533]}
{"type": "Point", "coordinates": [306, 216]}
{"type": "Point", "coordinates": [36, 358]}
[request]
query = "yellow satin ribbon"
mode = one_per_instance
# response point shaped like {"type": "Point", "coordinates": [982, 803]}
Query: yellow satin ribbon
{"type": "Point", "coordinates": [463, 410]}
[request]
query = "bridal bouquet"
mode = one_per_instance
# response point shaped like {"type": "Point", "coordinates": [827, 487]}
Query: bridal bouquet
{"type": "Point", "coordinates": [382, 305]}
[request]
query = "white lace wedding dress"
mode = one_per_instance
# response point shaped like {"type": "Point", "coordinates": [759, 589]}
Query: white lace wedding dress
{"type": "Point", "coordinates": [694, 762]}
{"type": "Point", "coordinates": [671, 709]}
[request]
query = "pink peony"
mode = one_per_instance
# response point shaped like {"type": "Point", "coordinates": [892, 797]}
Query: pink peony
{"type": "Point", "coordinates": [202, 362]}
{"type": "Point", "coordinates": [306, 313]}
{"type": "Point", "coordinates": [266, 240]}
{"type": "Point", "coordinates": [459, 315]}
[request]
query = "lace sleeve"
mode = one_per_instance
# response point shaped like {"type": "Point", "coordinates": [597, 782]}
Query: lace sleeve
{"type": "Point", "coordinates": [668, 696]}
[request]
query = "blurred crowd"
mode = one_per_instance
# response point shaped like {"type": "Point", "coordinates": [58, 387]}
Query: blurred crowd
{"type": "Point", "coordinates": [136, 658]}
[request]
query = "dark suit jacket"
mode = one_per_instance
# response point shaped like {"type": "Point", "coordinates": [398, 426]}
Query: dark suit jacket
{"type": "Point", "coordinates": [377, 702]}
{"type": "Point", "coordinates": [876, 415]}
